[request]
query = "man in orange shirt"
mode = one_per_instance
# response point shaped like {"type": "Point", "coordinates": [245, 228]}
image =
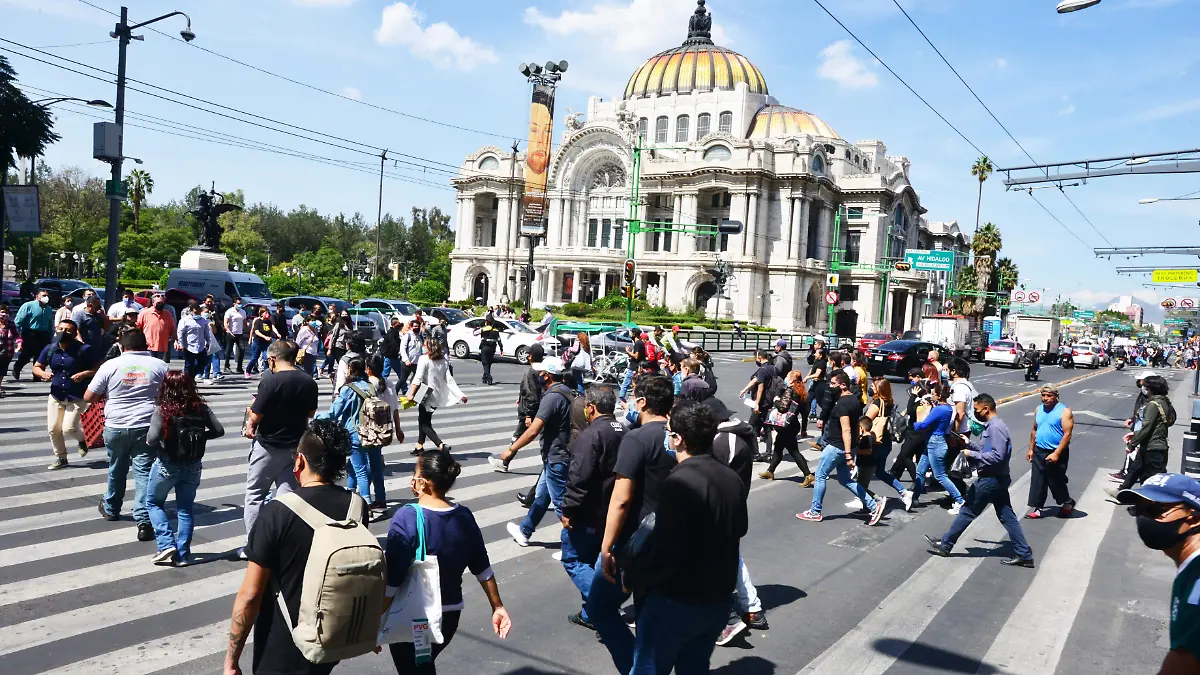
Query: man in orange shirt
{"type": "Point", "coordinates": [159, 326]}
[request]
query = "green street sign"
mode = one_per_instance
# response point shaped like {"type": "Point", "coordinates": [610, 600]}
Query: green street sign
{"type": "Point", "coordinates": [1083, 314]}
{"type": "Point", "coordinates": [930, 261]}
{"type": "Point", "coordinates": [116, 190]}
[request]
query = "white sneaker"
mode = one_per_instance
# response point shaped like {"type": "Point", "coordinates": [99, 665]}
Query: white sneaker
{"type": "Point", "coordinates": [731, 631]}
{"type": "Point", "coordinates": [206, 381]}
{"type": "Point", "coordinates": [557, 555]}
{"type": "Point", "coordinates": [515, 531]}
{"type": "Point", "coordinates": [497, 464]}
{"type": "Point", "coordinates": [953, 510]}
{"type": "Point", "coordinates": [906, 498]}
{"type": "Point", "coordinates": [855, 504]}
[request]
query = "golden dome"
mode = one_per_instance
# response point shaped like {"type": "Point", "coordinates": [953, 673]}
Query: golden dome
{"type": "Point", "coordinates": [696, 65]}
{"type": "Point", "coordinates": [774, 121]}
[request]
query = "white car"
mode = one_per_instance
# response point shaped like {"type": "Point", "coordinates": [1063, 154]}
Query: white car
{"type": "Point", "coordinates": [514, 343]}
{"type": "Point", "coordinates": [390, 308]}
{"type": "Point", "coordinates": [1004, 352]}
{"type": "Point", "coordinates": [1086, 355]}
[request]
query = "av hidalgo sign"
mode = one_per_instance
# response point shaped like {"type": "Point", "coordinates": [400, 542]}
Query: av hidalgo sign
{"type": "Point", "coordinates": [930, 261]}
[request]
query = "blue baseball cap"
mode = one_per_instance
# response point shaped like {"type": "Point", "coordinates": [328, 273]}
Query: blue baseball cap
{"type": "Point", "coordinates": [1165, 488]}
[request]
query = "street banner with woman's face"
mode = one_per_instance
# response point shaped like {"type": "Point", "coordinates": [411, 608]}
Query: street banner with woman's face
{"type": "Point", "coordinates": [537, 162]}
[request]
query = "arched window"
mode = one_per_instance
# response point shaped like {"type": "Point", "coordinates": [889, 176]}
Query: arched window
{"type": "Point", "coordinates": [818, 164]}
{"type": "Point", "coordinates": [725, 123]}
{"type": "Point", "coordinates": [660, 129]}
{"type": "Point", "coordinates": [643, 128]}
{"type": "Point", "coordinates": [489, 164]}
{"type": "Point", "coordinates": [703, 122]}
{"type": "Point", "coordinates": [718, 153]}
{"type": "Point", "coordinates": [681, 128]}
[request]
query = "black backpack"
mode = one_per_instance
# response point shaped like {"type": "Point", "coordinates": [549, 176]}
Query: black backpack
{"type": "Point", "coordinates": [774, 390]}
{"type": "Point", "coordinates": [188, 438]}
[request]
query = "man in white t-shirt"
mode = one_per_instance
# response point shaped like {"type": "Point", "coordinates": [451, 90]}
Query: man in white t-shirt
{"type": "Point", "coordinates": [118, 309]}
{"type": "Point", "coordinates": [962, 395]}
{"type": "Point", "coordinates": [235, 333]}
{"type": "Point", "coordinates": [130, 382]}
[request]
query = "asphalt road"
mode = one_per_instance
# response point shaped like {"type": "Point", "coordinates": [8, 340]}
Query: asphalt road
{"type": "Point", "coordinates": [78, 595]}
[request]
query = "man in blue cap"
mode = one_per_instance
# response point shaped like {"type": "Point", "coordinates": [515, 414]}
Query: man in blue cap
{"type": "Point", "coordinates": [1167, 508]}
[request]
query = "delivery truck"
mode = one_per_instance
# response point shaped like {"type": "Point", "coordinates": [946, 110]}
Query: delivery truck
{"type": "Point", "coordinates": [1044, 332]}
{"type": "Point", "coordinates": [950, 331]}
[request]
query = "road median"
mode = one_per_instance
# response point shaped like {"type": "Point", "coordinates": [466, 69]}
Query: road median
{"type": "Point", "coordinates": [1060, 383]}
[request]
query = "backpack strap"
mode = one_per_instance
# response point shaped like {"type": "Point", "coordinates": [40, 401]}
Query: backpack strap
{"type": "Point", "coordinates": [356, 507]}
{"type": "Point", "coordinates": [307, 512]}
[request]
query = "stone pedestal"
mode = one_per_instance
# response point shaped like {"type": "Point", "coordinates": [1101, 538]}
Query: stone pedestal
{"type": "Point", "coordinates": [194, 259]}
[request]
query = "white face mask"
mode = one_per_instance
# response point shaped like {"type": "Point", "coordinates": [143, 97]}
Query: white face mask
{"type": "Point", "coordinates": [43, 299]}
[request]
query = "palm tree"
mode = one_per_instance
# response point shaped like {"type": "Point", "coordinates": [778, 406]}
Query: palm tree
{"type": "Point", "coordinates": [1007, 273]}
{"type": "Point", "coordinates": [981, 169]}
{"type": "Point", "coordinates": [985, 244]}
{"type": "Point", "coordinates": [140, 185]}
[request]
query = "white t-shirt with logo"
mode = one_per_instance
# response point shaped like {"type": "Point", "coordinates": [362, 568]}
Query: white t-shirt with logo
{"type": "Point", "coordinates": [131, 383]}
{"type": "Point", "coordinates": [237, 320]}
{"type": "Point", "coordinates": [963, 391]}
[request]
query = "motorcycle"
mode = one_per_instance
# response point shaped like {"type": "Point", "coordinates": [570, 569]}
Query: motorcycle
{"type": "Point", "coordinates": [1120, 363]}
{"type": "Point", "coordinates": [1033, 366]}
{"type": "Point", "coordinates": [1066, 359]}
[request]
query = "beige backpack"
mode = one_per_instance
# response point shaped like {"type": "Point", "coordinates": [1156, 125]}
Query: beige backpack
{"type": "Point", "coordinates": [344, 582]}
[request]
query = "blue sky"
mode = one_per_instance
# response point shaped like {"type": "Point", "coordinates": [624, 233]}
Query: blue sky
{"type": "Point", "coordinates": [1119, 78]}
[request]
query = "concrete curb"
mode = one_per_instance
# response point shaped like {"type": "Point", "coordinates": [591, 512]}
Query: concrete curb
{"type": "Point", "coordinates": [1060, 383]}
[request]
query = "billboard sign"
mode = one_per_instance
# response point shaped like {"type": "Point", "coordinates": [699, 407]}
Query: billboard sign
{"type": "Point", "coordinates": [1174, 276]}
{"type": "Point", "coordinates": [23, 209]}
{"type": "Point", "coordinates": [537, 160]}
{"type": "Point", "coordinates": [930, 261]}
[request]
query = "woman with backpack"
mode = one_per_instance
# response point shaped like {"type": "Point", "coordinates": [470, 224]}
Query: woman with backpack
{"type": "Point", "coordinates": [790, 408]}
{"type": "Point", "coordinates": [179, 430]}
{"type": "Point", "coordinates": [449, 531]}
{"type": "Point", "coordinates": [346, 412]}
{"type": "Point", "coordinates": [375, 434]}
{"type": "Point", "coordinates": [433, 387]}
{"type": "Point", "coordinates": [1150, 440]}
{"type": "Point", "coordinates": [881, 410]}
{"type": "Point", "coordinates": [581, 360]}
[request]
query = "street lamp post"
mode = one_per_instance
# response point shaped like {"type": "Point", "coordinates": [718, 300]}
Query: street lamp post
{"type": "Point", "coordinates": [123, 34]}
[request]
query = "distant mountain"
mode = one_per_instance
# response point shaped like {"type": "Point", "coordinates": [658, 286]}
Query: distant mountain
{"type": "Point", "coordinates": [1151, 312]}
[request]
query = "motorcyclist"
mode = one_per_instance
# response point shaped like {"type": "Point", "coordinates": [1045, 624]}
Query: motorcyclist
{"type": "Point", "coordinates": [1035, 359]}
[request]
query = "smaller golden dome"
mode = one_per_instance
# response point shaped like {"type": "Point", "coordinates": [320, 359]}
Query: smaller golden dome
{"type": "Point", "coordinates": [775, 121]}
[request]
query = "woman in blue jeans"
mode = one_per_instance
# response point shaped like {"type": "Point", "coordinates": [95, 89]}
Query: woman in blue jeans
{"type": "Point", "coordinates": [344, 412]}
{"type": "Point", "coordinates": [938, 420]}
{"type": "Point", "coordinates": [179, 431]}
{"type": "Point", "coordinates": [883, 405]}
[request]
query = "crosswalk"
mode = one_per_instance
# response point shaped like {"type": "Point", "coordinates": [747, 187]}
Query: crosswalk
{"type": "Point", "coordinates": [79, 595]}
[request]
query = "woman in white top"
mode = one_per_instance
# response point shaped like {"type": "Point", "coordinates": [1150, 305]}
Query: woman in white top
{"type": "Point", "coordinates": [433, 370]}
{"type": "Point", "coordinates": [581, 362]}
{"type": "Point", "coordinates": [308, 338]}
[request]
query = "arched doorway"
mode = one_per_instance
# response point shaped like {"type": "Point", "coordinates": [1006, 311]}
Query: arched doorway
{"type": "Point", "coordinates": [479, 289]}
{"type": "Point", "coordinates": [704, 293]}
{"type": "Point", "coordinates": [813, 305]}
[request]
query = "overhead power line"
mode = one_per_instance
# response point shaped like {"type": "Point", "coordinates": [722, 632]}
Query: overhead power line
{"type": "Point", "coordinates": [310, 86]}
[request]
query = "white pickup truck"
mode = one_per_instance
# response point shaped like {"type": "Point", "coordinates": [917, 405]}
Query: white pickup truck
{"type": "Point", "coordinates": [950, 331]}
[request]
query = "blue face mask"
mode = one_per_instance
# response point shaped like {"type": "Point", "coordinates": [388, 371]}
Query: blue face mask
{"type": "Point", "coordinates": [631, 415]}
{"type": "Point", "coordinates": [667, 445]}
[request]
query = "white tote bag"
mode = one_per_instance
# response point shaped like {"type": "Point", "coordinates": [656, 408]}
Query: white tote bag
{"type": "Point", "coordinates": [416, 612]}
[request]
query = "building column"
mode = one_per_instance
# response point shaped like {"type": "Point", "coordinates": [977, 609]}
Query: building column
{"type": "Point", "coordinates": [469, 221]}
{"type": "Point", "coordinates": [750, 241]}
{"type": "Point", "coordinates": [577, 276]}
{"type": "Point", "coordinates": [737, 211]}
{"type": "Point", "coordinates": [687, 215]}
{"type": "Point", "coordinates": [553, 221]}
{"type": "Point", "coordinates": [458, 223]}
{"type": "Point", "coordinates": [802, 211]}
{"type": "Point", "coordinates": [825, 232]}
{"type": "Point", "coordinates": [603, 290]}
{"type": "Point", "coordinates": [787, 222]}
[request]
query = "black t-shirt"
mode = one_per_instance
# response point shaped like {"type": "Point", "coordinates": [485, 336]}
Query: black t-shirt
{"type": "Point", "coordinates": [846, 406]}
{"type": "Point", "coordinates": [643, 458]}
{"type": "Point", "coordinates": [820, 363]}
{"type": "Point", "coordinates": [555, 413]}
{"type": "Point", "coordinates": [765, 374]}
{"type": "Point", "coordinates": [261, 326]}
{"type": "Point", "coordinates": [284, 400]}
{"type": "Point", "coordinates": [280, 542]}
{"type": "Point", "coordinates": [639, 352]}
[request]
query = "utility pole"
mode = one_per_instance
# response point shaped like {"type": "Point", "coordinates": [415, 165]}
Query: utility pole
{"type": "Point", "coordinates": [513, 213]}
{"type": "Point", "coordinates": [379, 214]}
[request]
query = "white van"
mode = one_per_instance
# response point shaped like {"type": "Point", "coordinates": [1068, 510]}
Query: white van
{"type": "Point", "coordinates": [223, 286]}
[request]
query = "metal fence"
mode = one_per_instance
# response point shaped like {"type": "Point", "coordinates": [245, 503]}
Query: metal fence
{"type": "Point", "coordinates": [744, 341]}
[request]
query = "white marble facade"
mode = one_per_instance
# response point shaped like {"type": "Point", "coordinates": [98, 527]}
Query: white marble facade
{"type": "Point", "coordinates": [716, 145]}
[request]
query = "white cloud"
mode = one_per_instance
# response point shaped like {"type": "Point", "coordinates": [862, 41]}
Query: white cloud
{"type": "Point", "coordinates": [838, 63]}
{"type": "Point", "coordinates": [351, 92]}
{"type": "Point", "coordinates": [1170, 110]}
{"type": "Point", "coordinates": [1001, 63]}
{"type": "Point", "coordinates": [438, 43]}
{"type": "Point", "coordinates": [637, 26]}
{"type": "Point", "coordinates": [1069, 109]}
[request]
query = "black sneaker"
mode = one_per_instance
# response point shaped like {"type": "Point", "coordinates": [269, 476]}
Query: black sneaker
{"type": "Point", "coordinates": [105, 514]}
{"type": "Point", "coordinates": [1018, 562]}
{"type": "Point", "coordinates": [756, 620]}
{"type": "Point", "coordinates": [578, 620]}
{"type": "Point", "coordinates": [145, 532]}
{"type": "Point", "coordinates": [525, 498]}
{"type": "Point", "coordinates": [936, 547]}
{"type": "Point", "coordinates": [83, 449]}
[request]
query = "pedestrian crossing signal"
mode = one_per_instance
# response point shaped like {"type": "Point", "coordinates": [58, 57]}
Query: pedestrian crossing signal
{"type": "Point", "coordinates": [630, 269]}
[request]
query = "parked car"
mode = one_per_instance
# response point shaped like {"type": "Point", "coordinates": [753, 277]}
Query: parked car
{"type": "Point", "coordinates": [613, 341]}
{"type": "Point", "coordinates": [911, 335]}
{"type": "Point", "coordinates": [11, 294]}
{"type": "Point", "coordinates": [369, 325]}
{"type": "Point", "coordinates": [514, 342]}
{"type": "Point", "coordinates": [870, 341]}
{"type": "Point", "coordinates": [144, 298]}
{"type": "Point", "coordinates": [446, 315]}
{"type": "Point", "coordinates": [1086, 356]}
{"type": "Point", "coordinates": [292, 305]}
{"type": "Point", "coordinates": [1004, 352]}
{"type": "Point", "coordinates": [60, 288]}
{"type": "Point", "coordinates": [390, 308]}
{"type": "Point", "coordinates": [895, 358]}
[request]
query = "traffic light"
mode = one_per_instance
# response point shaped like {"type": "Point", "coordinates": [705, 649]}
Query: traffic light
{"type": "Point", "coordinates": [728, 226]}
{"type": "Point", "coordinates": [630, 270]}
{"type": "Point", "coordinates": [903, 266]}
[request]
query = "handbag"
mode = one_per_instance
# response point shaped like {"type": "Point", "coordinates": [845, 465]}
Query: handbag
{"type": "Point", "coordinates": [415, 614]}
{"type": "Point", "coordinates": [775, 418]}
{"type": "Point", "coordinates": [424, 393]}
{"type": "Point", "coordinates": [961, 467]}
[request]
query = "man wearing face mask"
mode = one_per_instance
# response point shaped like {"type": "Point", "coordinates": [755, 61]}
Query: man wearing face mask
{"type": "Point", "coordinates": [78, 308]}
{"type": "Point", "coordinates": [91, 327]}
{"type": "Point", "coordinates": [159, 326]}
{"type": "Point", "coordinates": [235, 333]}
{"type": "Point", "coordinates": [1167, 508]}
{"type": "Point", "coordinates": [990, 455]}
{"type": "Point", "coordinates": [1148, 444]}
{"type": "Point", "coordinates": [34, 321]}
{"type": "Point", "coordinates": [67, 365]}
{"type": "Point", "coordinates": [193, 337]}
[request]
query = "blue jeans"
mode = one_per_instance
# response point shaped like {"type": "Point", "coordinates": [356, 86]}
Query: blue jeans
{"type": "Point", "coordinates": [365, 470]}
{"type": "Point", "coordinates": [126, 447]}
{"type": "Point", "coordinates": [258, 353]}
{"type": "Point", "coordinates": [935, 458]}
{"type": "Point", "coordinates": [309, 365]}
{"type": "Point", "coordinates": [833, 459]}
{"type": "Point", "coordinates": [881, 473]}
{"type": "Point", "coordinates": [390, 365]}
{"type": "Point", "coordinates": [549, 490]}
{"type": "Point", "coordinates": [673, 635]}
{"type": "Point", "coordinates": [213, 367]}
{"type": "Point", "coordinates": [626, 383]}
{"type": "Point", "coordinates": [603, 609]}
{"type": "Point", "coordinates": [580, 549]}
{"type": "Point", "coordinates": [184, 479]}
{"type": "Point", "coordinates": [193, 363]}
{"type": "Point", "coordinates": [994, 491]}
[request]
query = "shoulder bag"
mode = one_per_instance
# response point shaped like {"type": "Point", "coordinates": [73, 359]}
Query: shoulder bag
{"type": "Point", "coordinates": [415, 614]}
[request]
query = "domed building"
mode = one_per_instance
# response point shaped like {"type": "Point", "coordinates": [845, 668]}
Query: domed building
{"type": "Point", "coordinates": [716, 145]}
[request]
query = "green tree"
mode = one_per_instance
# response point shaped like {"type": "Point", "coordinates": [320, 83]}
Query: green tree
{"type": "Point", "coordinates": [301, 229]}
{"type": "Point", "coordinates": [140, 185]}
{"type": "Point", "coordinates": [964, 283]}
{"type": "Point", "coordinates": [981, 169]}
{"type": "Point", "coordinates": [1007, 274]}
{"type": "Point", "coordinates": [985, 244]}
{"type": "Point", "coordinates": [74, 210]}
{"type": "Point", "coordinates": [241, 240]}
{"type": "Point", "coordinates": [427, 292]}
{"type": "Point", "coordinates": [347, 236]}
{"type": "Point", "coordinates": [25, 128]}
